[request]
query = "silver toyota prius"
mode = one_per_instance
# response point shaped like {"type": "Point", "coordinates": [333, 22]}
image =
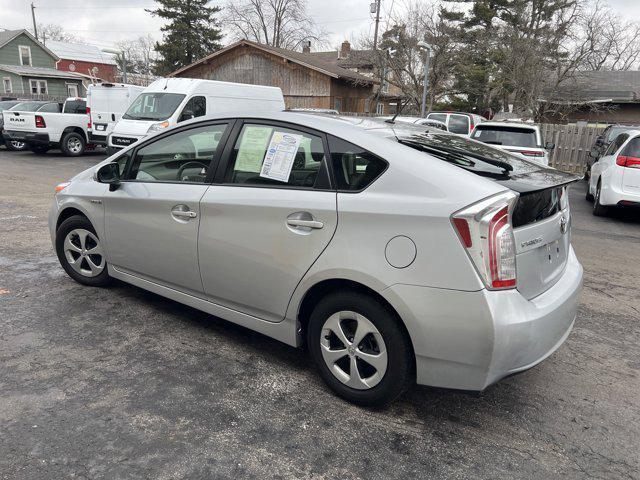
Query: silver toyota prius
{"type": "Point", "coordinates": [397, 254]}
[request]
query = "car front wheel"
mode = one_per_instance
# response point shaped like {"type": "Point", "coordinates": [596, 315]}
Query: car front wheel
{"type": "Point", "coordinates": [360, 349]}
{"type": "Point", "coordinates": [599, 210]}
{"type": "Point", "coordinates": [81, 253]}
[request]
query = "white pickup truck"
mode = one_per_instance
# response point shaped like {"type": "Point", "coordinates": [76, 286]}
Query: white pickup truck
{"type": "Point", "coordinates": [42, 131]}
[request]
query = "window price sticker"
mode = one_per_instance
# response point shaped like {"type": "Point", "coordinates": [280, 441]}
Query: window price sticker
{"type": "Point", "coordinates": [281, 153]}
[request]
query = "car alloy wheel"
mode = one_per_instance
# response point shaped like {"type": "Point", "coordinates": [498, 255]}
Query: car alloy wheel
{"type": "Point", "coordinates": [353, 350]}
{"type": "Point", "coordinates": [83, 252]}
{"type": "Point", "coordinates": [74, 145]}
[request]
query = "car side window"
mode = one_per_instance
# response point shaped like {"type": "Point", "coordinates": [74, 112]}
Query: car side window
{"type": "Point", "coordinates": [354, 167]}
{"type": "Point", "coordinates": [195, 107]}
{"type": "Point", "coordinates": [616, 144]}
{"type": "Point", "coordinates": [50, 108]}
{"type": "Point", "coordinates": [441, 117]}
{"type": "Point", "coordinates": [182, 157]}
{"type": "Point", "coordinates": [278, 156]}
{"type": "Point", "coordinates": [122, 162]}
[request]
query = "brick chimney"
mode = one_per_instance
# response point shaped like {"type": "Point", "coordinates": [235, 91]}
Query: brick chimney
{"type": "Point", "coordinates": [345, 49]}
{"type": "Point", "coordinates": [306, 47]}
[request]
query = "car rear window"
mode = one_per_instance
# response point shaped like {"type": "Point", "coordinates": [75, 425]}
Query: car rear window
{"type": "Point", "coordinates": [75, 106]}
{"type": "Point", "coordinates": [471, 153]}
{"type": "Point", "coordinates": [459, 124]}
{"type": "Point", "coordinates": [632, 149]}
{"type": "Point", "coordinates": [441, 117]}
{"type": "Point", "coordinates": [513, 136]}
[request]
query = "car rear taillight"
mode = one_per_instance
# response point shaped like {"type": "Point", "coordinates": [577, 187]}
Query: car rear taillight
{"type": "Point", "coordinates": [486, 233]}
{"type": "Point", "coordinates": [40, 122]}
{"type": "Point", "coordinates": [629, 162]}
{"type": "Point", "coordinates": [531, 153]}
{"type": "Point", "coordinates": [89, 114]}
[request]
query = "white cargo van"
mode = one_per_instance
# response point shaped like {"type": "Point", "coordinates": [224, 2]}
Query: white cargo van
{"type": "Point", "coordinates": [106, 103]}
{"type": "Point", "coordinates": [169, 101]}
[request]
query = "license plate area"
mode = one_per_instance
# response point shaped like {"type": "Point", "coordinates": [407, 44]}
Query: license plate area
{"type": "Point", "coordinates": [100, 127]}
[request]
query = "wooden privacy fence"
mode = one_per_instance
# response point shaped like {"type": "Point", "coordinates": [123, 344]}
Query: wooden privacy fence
{"type": "Point", "coordinates": [573, 143]}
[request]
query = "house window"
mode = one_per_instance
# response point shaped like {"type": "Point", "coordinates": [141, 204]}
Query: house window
{"type": "Point", "coordinates": [385, 86]}
{"type": "Point", "coordinates": [6, 82]}
{"type": "Point", "coordinates": [25, 55]}
{"type": "Point", "coordinates": [379, 108]}
{"type": "Point", "coordinates": [38, 86]}
{"type": "Point", "coordinates": [72, 89]}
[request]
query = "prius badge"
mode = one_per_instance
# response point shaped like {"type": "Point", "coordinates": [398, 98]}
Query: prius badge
{"type": "Point", "coordinates": [564, 224]}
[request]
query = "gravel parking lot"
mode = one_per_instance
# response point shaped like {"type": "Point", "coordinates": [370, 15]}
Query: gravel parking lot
{"type": "Point", "coordinates": [119, 383]}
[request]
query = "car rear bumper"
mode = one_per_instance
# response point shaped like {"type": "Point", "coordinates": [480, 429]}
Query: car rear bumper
{"type": "Point", "coordinates": [31, 138]}
{"type": "Point", "coordinates": [97, 139]}
{"type": "Point", "coordinates": [469, 340]}
{"type": "Point", "coordinates": [614, 195]}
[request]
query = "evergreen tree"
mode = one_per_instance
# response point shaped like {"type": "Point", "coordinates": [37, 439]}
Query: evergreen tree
{"type": "Point", "coordinates": [192, 33]}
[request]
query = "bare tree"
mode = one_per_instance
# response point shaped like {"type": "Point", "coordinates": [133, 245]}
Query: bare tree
{"type": "Point", "coordinates": [56, 33]}
{"type": "Point", "coordinates": [279, 23]}
{"type": "Point", "coordinates": [140, 55]}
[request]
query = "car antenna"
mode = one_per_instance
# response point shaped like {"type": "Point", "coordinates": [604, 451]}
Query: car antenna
{"type": "Point", "coordinates": [393, 120]}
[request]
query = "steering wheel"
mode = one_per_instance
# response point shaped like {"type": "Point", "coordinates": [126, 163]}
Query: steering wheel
{"type": "Point", "coordinates": [191, 164]}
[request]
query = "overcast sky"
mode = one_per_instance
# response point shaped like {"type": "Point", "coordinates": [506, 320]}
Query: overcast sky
{"type": "Point", "coordinates": [103, 23]}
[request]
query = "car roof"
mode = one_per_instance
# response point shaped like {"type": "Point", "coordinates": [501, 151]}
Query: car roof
{"type": "Point", "coordinates": [509, 124]}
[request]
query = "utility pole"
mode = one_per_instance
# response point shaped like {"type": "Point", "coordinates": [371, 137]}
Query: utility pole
{"type": "Point", "coordinates": [376, 6]}
{"type": "Point", "coordinates": [33, 16]}
{"type": "Point", "coordinates": [425, 85]}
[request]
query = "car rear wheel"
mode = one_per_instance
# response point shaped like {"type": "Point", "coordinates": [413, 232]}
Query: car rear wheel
{"type": "Point", "coordinates": [81, 253]}
{"type": "Point", "coordinates": [16, 146]}
{"type": "Point", "coordinates": [360, 349]}
{"type": "Point", "coordinates": [72, 144]}
{"type": "Point", "coordinates": [599, 210]}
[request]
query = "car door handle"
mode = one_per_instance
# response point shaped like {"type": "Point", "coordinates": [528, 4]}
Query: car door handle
{"type": "Point", "coordinates": [305, 223]}
{"type": "Point", "coordinates": [183, 212]}
{"type": "Point", "coordinates": [188, 214]}
{"type": "Point", "coordinates": [303, 220]}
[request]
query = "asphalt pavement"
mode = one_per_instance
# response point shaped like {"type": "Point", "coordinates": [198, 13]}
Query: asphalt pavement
{"type": "Point", "coordinates": [120, 383]}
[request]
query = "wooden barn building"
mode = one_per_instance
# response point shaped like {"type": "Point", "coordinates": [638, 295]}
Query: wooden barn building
{"type": "Point", "coordinates": [307, 80]}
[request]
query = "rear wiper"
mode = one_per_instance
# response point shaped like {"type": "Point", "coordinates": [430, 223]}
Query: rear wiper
{"type": "Point", "coordinates": [507, 167]}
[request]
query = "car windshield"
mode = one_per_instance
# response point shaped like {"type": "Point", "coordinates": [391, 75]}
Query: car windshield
{"type": "Point", "coordinates": [27, 106]}
{"type": "Point", "coordinates": [154, 106]}
{"type": "Point", "coordinates": [497, 135]}
{"type": "Point", "coordinates": [468, 154]}
{"type": "Point", "coordinates": [459, 124]}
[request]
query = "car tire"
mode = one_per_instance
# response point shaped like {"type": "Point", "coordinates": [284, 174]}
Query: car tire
{"type": "Point", "coordinates": [588, 196]}
{"type": "Point", "coordinates": [75, 240]}
{"type": "Point", "coordinates": [39, 149]}
{"type": "Point", "coordinates": [599, 210]}
{"type": "Point", "coordinates": [72, 144]}
{"type": "Point", "coordinates": [15, 146]}
{"type": "Point", "coordinates": [386, 344]}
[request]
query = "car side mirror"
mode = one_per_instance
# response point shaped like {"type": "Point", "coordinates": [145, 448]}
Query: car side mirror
{"type": "Point", "coordinates": [186, 115]}
{"type": "Point", "coordinates": [110, 174]}
{"type": "Point", "coordinates": [594, 153]}
{"type": "Point", "coordinates": [549, 146]}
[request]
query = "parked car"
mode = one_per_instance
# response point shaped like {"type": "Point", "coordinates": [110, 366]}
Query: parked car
{"type": "Point", "coordinates": [460, 123]}
{"type": "Point", "coordinates": [169, 101]}
{"type": "Point", "coordinates": [450, 265]}
{"type": "Point", "coordinates": [615, 176]}
{"type": "Point", "coordinates": [24, 106]}
{"type": "Point", "coordinates": [522, 139]}
{"type": "Point", "coordinates": [427, 122]}
{"type": "Point", "coordinates": [602, 142]}
{"type": "Point", "coordinates": [45, 129]}
{"type": "Point", "coordinates": [106, 103]}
